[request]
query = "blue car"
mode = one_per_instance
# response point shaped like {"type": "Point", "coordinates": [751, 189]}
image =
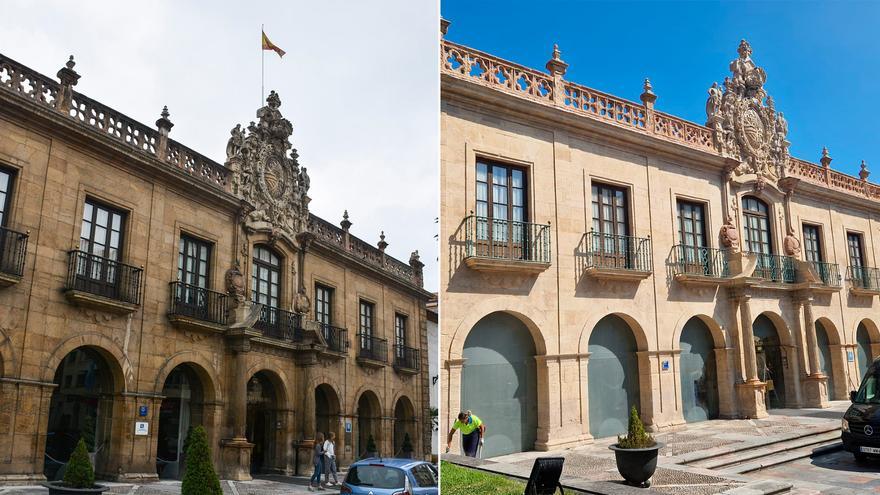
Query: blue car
{"type": "Point", "coordinates": [377, 476]}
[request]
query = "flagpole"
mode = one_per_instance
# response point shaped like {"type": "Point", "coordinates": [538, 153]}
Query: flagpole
{"type": "Point", "coordinates": [262, 65]}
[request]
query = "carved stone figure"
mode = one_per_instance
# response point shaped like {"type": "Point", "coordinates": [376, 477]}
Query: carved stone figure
{"type": "Point", "coordinates": [745, 122]}
{"type": "Point", "coordinates": [792, 245]}
{"type": "Point", "coordinates": [235, 284]}
{"type": "Point", "coordinates": [730, 237]}
{"type": "Point", "coordinates": [302, 304]}
{"type": "Point", "coordinates": [233, 146]}
{"type": "Point", "coordinates": [266, 173]}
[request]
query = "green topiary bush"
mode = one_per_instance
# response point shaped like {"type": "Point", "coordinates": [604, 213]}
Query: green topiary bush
{"type": "Point", "coordinates": [79, 473]}
{"type": "Point", "coordinates": [407, 445]}
{"type": "Point", "coordinates": [371, 444]}
{"type": "Point", "coordinates": [199, 477]}
{"type": "Point", "coordinates": [636, 437]}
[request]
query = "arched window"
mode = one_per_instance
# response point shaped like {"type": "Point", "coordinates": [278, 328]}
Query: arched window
{"type": "Point", "coordinates": [265, 277]}
{"type": "Point", "coordinates": [756, 226]}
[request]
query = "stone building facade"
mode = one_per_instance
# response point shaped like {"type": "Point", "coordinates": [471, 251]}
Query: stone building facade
{"type": "Point", "coordinates": [148, 289]}
{"type": "Point", "coordinates": [599, 254]}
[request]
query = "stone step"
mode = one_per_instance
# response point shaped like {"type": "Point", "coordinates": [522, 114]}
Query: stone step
{"type": "Point", "coordinates": [740, 457]}
{"type": "Point", "coordinates": [781, 458]}
{"type": "Point", "coordinates": [717, 456]}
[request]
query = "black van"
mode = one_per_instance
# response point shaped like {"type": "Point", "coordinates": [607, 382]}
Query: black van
{"type": "Point", "coordinates": [860, 427]}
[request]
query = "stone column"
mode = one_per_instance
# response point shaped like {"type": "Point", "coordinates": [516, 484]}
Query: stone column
{"type": "Point", "coordinates": [452, 403]}
{"type": "Point", "coordinates": [547, 394]}
{"type": "Point", "coordinates": [736, 354]}
{"type": "Point", "coordinates": [815, 384]}
{"type": "Point", "coordinates": [235, 452]}
{"type": "Point", "coordinates": [238, 398]}
{"type": "Point", "coordinates": [726, 394]}
{"type": "Point", "coordinates": [750, 392]}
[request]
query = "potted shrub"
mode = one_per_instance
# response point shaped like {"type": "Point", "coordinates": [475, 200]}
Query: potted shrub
{"type": "Point", "coordinates": [407, 447]}
{"type": "Point", "coordinates": [371, 447]}
{"type": "Point", "coordinates": [199, 477]}
{"type": "Point", "coordinates": [79, 478]}
{"type": "Point", "coordinates": [636, 453]}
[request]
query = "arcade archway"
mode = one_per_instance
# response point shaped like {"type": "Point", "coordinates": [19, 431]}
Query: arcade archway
{"type": "Point", "coordinates": [369, 417]}
{"type": "Point", "coordinates": [612, 376]}
{"type": "Point", "coordinates": [404, 428]}
{"type": "Point", "coordinates": [262, 421]}
{"type": "Point", "coordinates": [698, 372]}
{"type": "Point", "coordinates": [181, 409]}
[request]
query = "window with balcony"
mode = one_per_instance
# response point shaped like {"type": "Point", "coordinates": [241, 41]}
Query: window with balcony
{"type": "Point", "coordinates": [335, 337]}
{"type": "Point", "coordinates": [370, 348]}
{"type": "Point", "coordinates": [191, 296]}
{"type": "Point", "coordinates": [863, 277]}
{"type": "Point", "coordinates": [829, 273]}
{"type": "Point", "coordinates": [366, 319]}
{"type": "Point", "coordinates": [13, 244]}
{"type": "Point", "coordinates": [95, 268]}
{"type": "Point", "coordinates": [758, 241]}
{"type": "Point", "coordinates": [405, 357]}
{"type": "Point", "coordinates": [399, 330]}
{"type": "Point", "coordinates": [266, 290]}
{"type": "Point", "coordinates": [692, 255]}
{"type": "Point", "coordinates": [609, 245]}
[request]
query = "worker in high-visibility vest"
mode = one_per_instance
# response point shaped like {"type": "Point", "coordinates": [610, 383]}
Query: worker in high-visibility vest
{"type": "Point", "coordinates": [472, 433]}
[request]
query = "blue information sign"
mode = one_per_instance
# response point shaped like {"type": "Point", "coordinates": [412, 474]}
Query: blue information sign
{"type": "Point", "coordinates": [142, 411]}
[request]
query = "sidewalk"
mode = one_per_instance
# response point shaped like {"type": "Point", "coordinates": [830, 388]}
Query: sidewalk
{"type": "Point", "coordinates": [264, 485]}
{"type": "Point", "coordinates": [592, 467]}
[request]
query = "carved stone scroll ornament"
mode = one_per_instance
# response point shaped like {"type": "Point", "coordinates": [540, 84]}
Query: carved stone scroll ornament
{"type": "Point", "coordinates": [745, 122]}
{"type": "Point", "coordinates": [266, 173]}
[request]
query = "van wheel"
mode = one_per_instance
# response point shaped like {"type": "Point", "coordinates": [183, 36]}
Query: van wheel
{"type": "Point", "coordinates": [860, 457]}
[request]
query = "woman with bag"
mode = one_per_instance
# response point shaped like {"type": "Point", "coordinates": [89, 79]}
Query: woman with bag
{"type": "Point", "coordinates": [330, 459]}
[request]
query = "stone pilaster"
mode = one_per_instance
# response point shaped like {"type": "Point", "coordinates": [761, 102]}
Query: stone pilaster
{"type": "Point", "coordinates": [235, 452]}
{"type": "Point", "coordinates": [452, 402]}
{"type": "Point", "coordinates": [24, 412]}
{"type": "Point", "coordinates": [726, 391]}
{"type": "Point", "coordinates": [815, 384]}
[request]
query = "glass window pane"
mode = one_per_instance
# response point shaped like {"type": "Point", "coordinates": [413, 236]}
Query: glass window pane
{"type": "Point", "coordinates": [499, 175]}
{"type": "Point", "coordinates": [516, 178]}
{"type": "Point", "coordinates": [481, 172]}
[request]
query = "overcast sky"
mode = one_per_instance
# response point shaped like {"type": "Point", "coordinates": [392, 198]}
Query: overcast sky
{"type": "Point", "coordinates": [359, 83]}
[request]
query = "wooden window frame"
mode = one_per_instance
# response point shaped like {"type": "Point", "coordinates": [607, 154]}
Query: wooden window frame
{"type": "Point", "coordinates": [400, 332]}
{"type": "Point", "coordinates": [860, 238]}
{"type": "Point", "coordinates": [616, 252]}
{"type": "Point", "coordinates": [805, 226]}
{"type": "Point", "coordinates": [514, 242]}
{"type": "Point", "coordinates": [320, 301]}
{"type": "Point", "coordinates": [256, 263]}
{"type": "Point", "coordinates": [748, 230]}
{"type": "Point", "coordinates": [6, 204]}
{"type": "Point", "coordinates": [183, 256]}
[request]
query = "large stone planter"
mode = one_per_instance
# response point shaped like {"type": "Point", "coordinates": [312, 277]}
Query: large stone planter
{"type": "Point", "coordinates": [57, 488]}
{"type": "Point", "coordinates": [636, 465]}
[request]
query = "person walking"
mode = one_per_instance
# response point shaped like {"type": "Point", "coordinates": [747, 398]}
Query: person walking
{"type": "Point", "coordinates": [472, 432]}
{"type": "Point", "coordinates": [330, 459]}
{"type": "Point", "coordinates": [318, 461]}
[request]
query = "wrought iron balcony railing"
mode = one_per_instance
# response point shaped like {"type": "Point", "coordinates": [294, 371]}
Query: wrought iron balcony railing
{"type": "Point", "coordinates": [278, 324]}
{"type": "Point", "coordinates": [776, 268]}
{"type": "Point", "coordinates": [618, 252]}
{"type": "Point", "coordinates": [336, 337]}
{"type": "Point", "coordinates": [406, 357]}
{"type": "Point", "coordinates": [372, 348]}
{"type": "Point", "coordinates": [699, 261]}
{"type": "Point", "coordinates": [13, 248]}
{"type": "Point", "coordinates": [104, 277]}
{"type": "Point", "coordinates": [829, 273]}
{"type": "Point", "coordinates": [198, 302]}
{"type": "Point", "coordinates": [863, 277]}
{"type": "Point", "coordinates": [506, 240]}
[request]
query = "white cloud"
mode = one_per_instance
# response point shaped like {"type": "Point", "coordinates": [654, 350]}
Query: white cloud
{"type": "Point", "coordinates": [359, 82]}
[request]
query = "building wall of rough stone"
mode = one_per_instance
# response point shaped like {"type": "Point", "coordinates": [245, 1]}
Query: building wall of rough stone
{"type": "Point", "coordinates": [39, 326]}
{"type": "Point", "coordinates": [561, 306]}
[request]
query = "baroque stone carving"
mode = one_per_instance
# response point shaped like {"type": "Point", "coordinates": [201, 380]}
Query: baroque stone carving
{"type": "Point", "coordinates": [266, 173]}
{"type": "Point", "coordinates": [235, 284]}
{"type": "Point", "coordinates": [744, 120]}
{"type": "Point", "coordinates": [730, 237]}
{"type": "Point", "coordinates": [792, 245]}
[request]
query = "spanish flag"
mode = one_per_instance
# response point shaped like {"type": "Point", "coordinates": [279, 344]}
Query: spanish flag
{"type": "Point", "coordinates": [268, 45]}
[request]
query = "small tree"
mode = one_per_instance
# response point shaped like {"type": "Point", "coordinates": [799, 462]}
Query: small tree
{"type": "Point", "coordinates": [407, 446]}
{"type": "Point", "coordinates": [636, 436]}
{"type": "Point", "coordinates": [199, 477]}
{"type": "Point", "coordinates": [371, 444]}
{"type": "Point", "coordinates": [79, 473]}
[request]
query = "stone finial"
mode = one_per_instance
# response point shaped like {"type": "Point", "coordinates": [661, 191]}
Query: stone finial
{"type": "Point", "coordinates": [345, 223]}
{"type": "Point", "coordinates": [417, 267]}
{"type": "Point", "coordinates": [444, 26]}
{"type": "Point", "coordinates": [163, 124]}
{"type": "Point", "coordinates": [556, 65]}
{"type": "Point", "coordinates": [864, 173]}
{"type": "Point", "coordinates": [826, 158]}
{"type": "Point", "coordinates": [67, 75]}
{"type": "Point", "coordinates": [648, 97]}
{"type": "Point", "coordinates": [382, 244]}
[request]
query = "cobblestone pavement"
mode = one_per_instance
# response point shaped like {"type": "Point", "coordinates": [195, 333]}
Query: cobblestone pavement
{"type": "Point", "coordinates": [833, 473]}
{"type": "Point", "coordinates": [265, 485]}
{"type": "Point", "coordinates": [683, 444]}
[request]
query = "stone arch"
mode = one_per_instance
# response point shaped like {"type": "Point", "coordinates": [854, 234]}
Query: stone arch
{"type": "Point", "coordinates": [871, 327]}
{"type": "Point", "coordinates": [718, 335]}
{"type": "Point", "coordinates": [698, 367]}
{"type": "Point", "coordinates": [780, 325]}
{"type": "Point", "coordinates": [834, 335]}
{"type": "Point", "coordinates": [369, 413]}
{"type": "Point", "coordinates": [866, 345]}
{"type": "Point", "coordinates": [280, 383]}
{"type": "Point", "coordinates": [119, 365]}
{"type": "Point", "coordinates": [405, 417]}
{"type": "Point", "coordinates": [323, 378]}
{"type": "Point", "coordinates": [368, 388]}
{"type": "Point", "coordinates": [533, 320]}
{"type": "Point", "coordinates": [778, 362]}
{"type": "Point", "coordinates": [637, 330]}
{"type": "Point", "coordinates": [202, 368]}
{"type": "Point", "coordinates": [831, 359]}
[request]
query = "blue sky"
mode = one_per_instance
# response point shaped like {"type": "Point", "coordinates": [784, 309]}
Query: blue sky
{"type": "Point", "coordinates": [822, 58]}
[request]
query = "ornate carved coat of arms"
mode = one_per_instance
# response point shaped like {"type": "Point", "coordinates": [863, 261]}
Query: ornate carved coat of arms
{"type": "Point", "coordinates": [267, 175]}
{"type": "Point", "coordinates": [745, 122]}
